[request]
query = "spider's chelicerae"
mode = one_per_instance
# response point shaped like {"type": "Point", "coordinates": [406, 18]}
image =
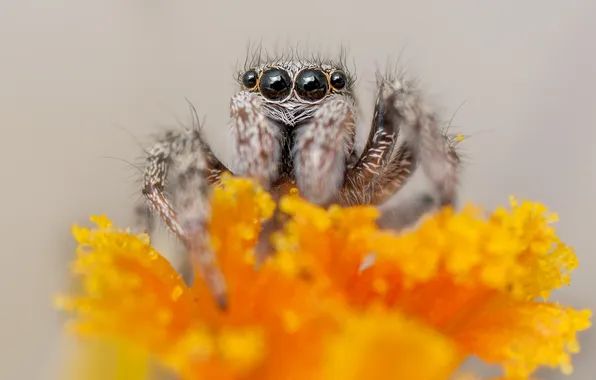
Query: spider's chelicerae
{"type": "Point", "coordinates": [293, 123]}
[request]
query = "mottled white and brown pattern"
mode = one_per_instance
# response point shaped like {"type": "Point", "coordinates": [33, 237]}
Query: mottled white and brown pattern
{"type": "Point", "coordinates": [293, 123]}
{"type": "Point", "coordinates": [256, 141]}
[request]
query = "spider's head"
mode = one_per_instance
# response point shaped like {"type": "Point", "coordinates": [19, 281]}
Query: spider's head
{"type": "Point", "coordinates": [293, 90]}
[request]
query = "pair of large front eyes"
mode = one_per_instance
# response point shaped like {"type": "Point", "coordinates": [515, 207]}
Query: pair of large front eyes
{"type": "Point", "coordinates": [310, 84]}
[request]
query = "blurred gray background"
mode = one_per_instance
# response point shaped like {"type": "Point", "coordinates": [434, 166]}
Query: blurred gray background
{"type": "Point", "coordinates": [82, 83]}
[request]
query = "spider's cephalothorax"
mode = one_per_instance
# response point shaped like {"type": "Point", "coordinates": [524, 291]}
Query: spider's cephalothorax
{"type": "Point", "coordinates": [293, 123]}
{"type": "Point", "coordinates": [292, 98]}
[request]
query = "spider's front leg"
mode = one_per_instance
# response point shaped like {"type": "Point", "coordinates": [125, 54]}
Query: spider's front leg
{"type": "Point", "coordinates": [322, 150]}
{"type": "Point", "coordinates": [405, 139]}
{"type": "Point", "coordinates": [185, 160]}
{"type": "Point", "coordinates": [433, 152]}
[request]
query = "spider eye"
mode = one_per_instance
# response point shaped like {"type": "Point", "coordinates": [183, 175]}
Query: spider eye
{"type": "Point", "coordinates": [338, 80]}
{"type": "Point", "coordinates": [275, 84]}
{"type": "Point", "coordinates": [249, 79]}
{"type": "Point", "coordinates": [311, 85]}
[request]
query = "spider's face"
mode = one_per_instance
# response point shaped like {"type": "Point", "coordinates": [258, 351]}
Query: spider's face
{"type": "Point", "coordinates": [292, 91]}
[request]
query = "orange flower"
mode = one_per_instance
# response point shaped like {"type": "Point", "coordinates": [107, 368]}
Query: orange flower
{"type": "Point", "coordinates": [341, 298]}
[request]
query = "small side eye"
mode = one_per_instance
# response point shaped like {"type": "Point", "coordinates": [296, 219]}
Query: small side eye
{"type": "Point", "coordinates": [249, 79]}
{"type": "Point", "coordinates": [338, 80]}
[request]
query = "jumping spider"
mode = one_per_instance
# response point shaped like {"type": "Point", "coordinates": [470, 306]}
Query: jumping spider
{"type": "Point", "coordinates": [293, 123]}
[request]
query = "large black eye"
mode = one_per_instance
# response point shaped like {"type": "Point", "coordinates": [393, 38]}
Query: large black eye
{"type": "Point", "coordinates": [275, 84]}
{"type": "Point", "coordinates": [338, 80]}
{"type": "Point", "coordinates": [311, 85]}
{"type": "Point", "coordinates": [249, 79]}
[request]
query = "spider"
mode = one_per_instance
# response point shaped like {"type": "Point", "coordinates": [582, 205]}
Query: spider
{"type": "Point", "coordinates": [293, 123]}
